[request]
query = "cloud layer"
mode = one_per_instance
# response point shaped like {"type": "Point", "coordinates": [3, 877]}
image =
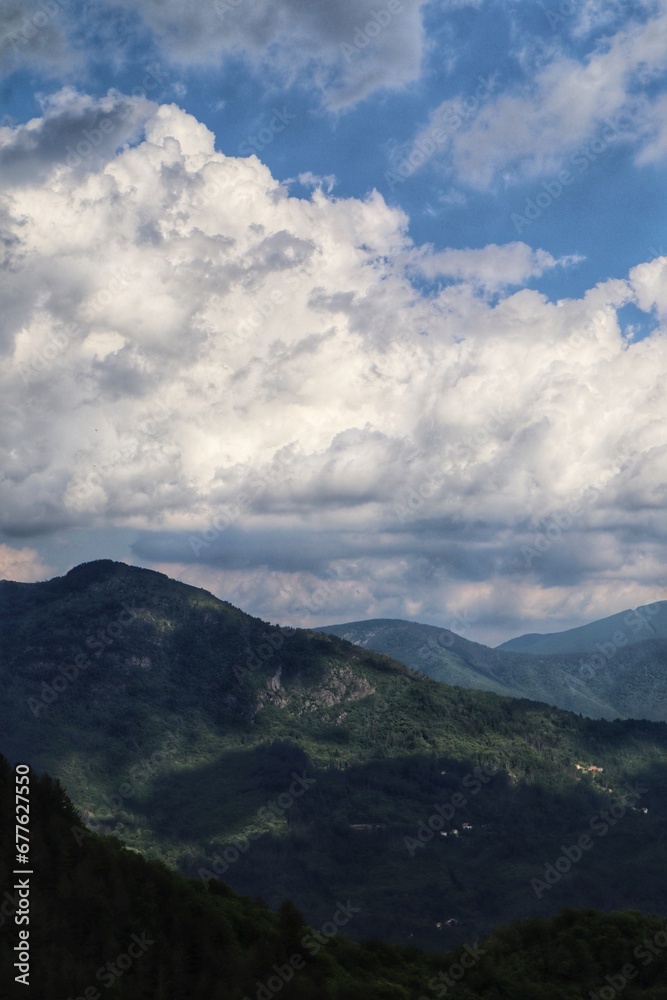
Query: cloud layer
{"type": "Point", "coordinates": [256, 384]}
{"type": "Point", "coordinates": [34, 33]}
{"type": "Point", "coordinates": [346, 49]}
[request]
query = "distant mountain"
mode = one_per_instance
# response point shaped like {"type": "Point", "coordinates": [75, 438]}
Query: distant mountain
{"type": "Point", "coordinates": [614, 680]}
{"type": "Point", "coordinates": [295, 765]}
{"type": "Point", "coordinates": [627, 628]}
{"type": "Point", "coordinates": [436, 652]}
{"type": "Point", "coordinates": [101, 916]}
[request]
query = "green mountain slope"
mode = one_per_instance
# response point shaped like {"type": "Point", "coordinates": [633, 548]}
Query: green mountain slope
{"type": "Point", "coordinates": [627, 628]}
{"type": "Point", "coordinates": [436, 652]}
{"type": "Point", "coordinates": [104, 922]}
{"type": "Point", "coordinates": [616, 680]}
{"type": "Point", "coordinates": [295, 765]}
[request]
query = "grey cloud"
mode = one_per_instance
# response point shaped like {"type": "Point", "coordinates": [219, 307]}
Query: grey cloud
{"type": "Point", "coordinates": [328, 41]}
{"type": "Point", "coordinates": [461, 553]}
{"type": "Point", "coordinates": [75, 130]}
{"type": "Point", "coordinates": [35, 32]}
{"type": "Point", "coordinates": [235, 548]}
{"type": "Point", "coordinates": [282, 251]}
{"type": "Point", "coordinates": [338, 302]}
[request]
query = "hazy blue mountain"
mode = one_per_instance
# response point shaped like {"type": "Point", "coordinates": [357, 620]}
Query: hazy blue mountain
{"type": "Point", "coordinates": [627, 628]}
{"type": "Point", "coordinates": [614, 679]}
{"type": "Point", "coordinates": [436, 652]}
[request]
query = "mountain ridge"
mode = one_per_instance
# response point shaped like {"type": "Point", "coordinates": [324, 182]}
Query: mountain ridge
{"type": "Point", "coordinates": [629, 627]}
{"type": "Point", "coordinates": [614, 679]}
{"type": "Point", "coordinates": [180, 724]}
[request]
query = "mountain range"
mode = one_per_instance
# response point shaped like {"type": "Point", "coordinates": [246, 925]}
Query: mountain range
{"type": "Point", "coordinates": [613, 668]}
{"type": "Point", "coordinates": [296, 765]}
{"type": "Point", "coordinates": [631, 627]}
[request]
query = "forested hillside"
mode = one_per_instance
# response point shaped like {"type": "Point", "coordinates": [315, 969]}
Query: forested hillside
{"type": "Point", "coordinates": [295, 765]}
{"type": "Point", "coordinates": [104, 922]}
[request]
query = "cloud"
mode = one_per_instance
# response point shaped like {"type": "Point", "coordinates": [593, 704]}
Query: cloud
{"type": "Point", "coordinates": [342, 50]}
{"type": "Point", "coordinates": [649, 282]}
{"type": "Point", "coordinates": [22, 565]}
{"type": "Point", "coordinates": [35, 33]}
{"type": "Point", "coordinates": [491, 267]}
{"type": "Point", "coordinates": [589, 16]}
{"type": "Point", "coordinates": [73, 130]}
{"type": "Point", "coordinates": [655, 147]}
{"type": "Point", "coordinates": [345, 49]}
{"type": "Point", "coordinates": [192, 353]}
{"type": "Point", "coordinates": [509, 132]}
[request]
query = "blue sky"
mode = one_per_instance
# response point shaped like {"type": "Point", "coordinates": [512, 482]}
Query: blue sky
{"type": "Point", "coordinates": [391, 273]}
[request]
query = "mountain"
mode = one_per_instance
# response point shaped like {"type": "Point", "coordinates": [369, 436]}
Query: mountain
{"type": "Point", "coordinates": [436, 652]}
{"type": "Point", "coordinates": [295, 765]}
{"type": "Point", "coordinates": [606, 636]}
{"type": "Point", "coordinates": [102, 921]}
{"type": "Point", "coordinates": [621, 675]}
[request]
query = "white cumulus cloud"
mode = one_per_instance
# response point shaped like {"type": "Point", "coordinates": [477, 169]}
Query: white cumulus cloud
{"type": "Point", "coordinates": [22, 565]}
{"type": "Point", "coordinates": [191, 352]}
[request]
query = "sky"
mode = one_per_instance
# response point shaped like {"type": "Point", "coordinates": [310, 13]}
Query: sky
{"type": "Point", "coordinates": [340, 309]}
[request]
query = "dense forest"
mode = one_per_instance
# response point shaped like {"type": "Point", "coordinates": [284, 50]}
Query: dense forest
{"type": "Point", "coordinates": [105, 922]}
